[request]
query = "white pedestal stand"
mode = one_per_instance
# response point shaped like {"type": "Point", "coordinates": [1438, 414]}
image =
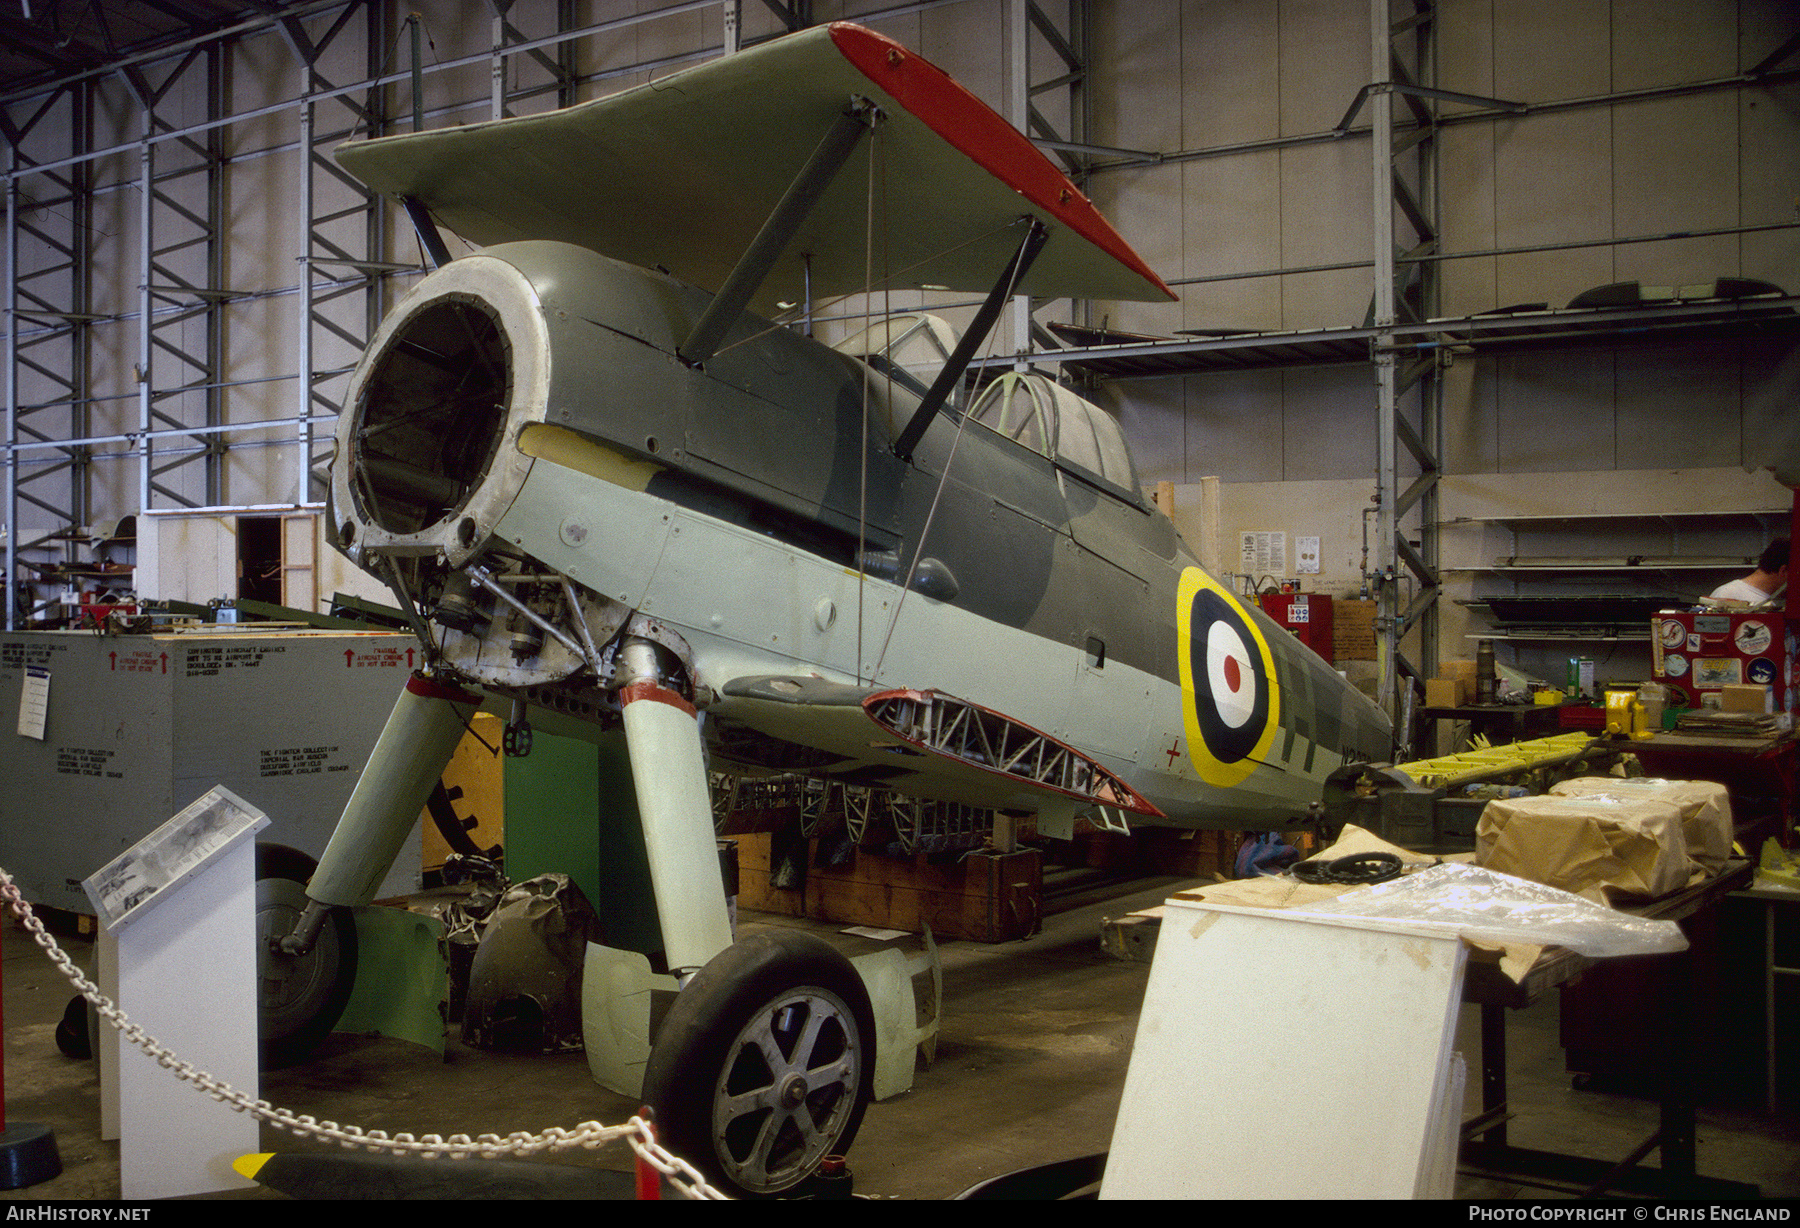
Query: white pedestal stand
{"type": "Point", "coordinates": [1272, 1036]}
{"type": "Point", "coordinates": [179, 958]}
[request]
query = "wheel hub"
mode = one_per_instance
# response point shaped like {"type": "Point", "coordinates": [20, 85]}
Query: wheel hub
{"type": "Point", "coordinates": [788, 1090]}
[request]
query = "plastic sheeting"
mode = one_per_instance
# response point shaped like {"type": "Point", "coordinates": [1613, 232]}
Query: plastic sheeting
{"type": "Point", "coordinates": [1483, 904]}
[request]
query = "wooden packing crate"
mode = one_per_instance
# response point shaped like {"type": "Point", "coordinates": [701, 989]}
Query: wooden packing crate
{"type": "Point", "coordinates": [984, 897]}
{"type": "Point", "coordinates": [1149, 851]}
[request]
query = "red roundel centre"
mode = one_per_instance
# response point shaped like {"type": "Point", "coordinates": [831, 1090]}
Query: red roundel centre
{"type": "Point", "coordinates": [1234, 677]}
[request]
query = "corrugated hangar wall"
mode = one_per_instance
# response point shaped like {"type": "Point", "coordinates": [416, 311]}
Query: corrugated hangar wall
{"type": "Point", "coordinates": [182, 249]}
{"type": "Point", "coordinates": [1644, 120]}
{"type": "Point", "coordinates": [1253, 81]}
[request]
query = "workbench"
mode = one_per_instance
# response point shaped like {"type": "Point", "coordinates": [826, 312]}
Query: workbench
{"type": "Point", "coordinates": [1778, 911]}
{"type": "Point", "coordinates": [1752, 768]}
{"type": "Point", "coordinates": [1499, 723]}
{"type": "Point", "coordinates": [1487, 1150]}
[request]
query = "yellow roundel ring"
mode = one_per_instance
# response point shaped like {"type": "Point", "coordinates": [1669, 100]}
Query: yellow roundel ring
{"type": "Point", "coordinates": [1231, 702]}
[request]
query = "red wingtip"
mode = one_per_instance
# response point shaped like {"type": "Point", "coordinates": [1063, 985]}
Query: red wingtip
{"type": "Point", "coordinates": [971, 126]}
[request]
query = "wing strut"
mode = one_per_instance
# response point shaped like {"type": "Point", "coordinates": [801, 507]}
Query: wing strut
{"type": "Point", "coordinates": [754, 265]}
{"type": "Point", "coordinates": [972, 339]}
{"type": "Point", "coordinates": [429, 238]}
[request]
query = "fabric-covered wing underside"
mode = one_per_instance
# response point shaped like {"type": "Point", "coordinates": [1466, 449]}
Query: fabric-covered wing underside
{"type": "Point", "coordinates": [681, 173]}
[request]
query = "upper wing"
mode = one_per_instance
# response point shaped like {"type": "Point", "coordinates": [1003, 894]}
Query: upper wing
{"type": "Point", "coordinates": [926, 743]}
{"type": "Point", "coordinates": [680, 174]}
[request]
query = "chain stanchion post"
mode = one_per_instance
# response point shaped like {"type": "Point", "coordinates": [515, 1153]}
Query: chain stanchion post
{"type": "Point", "coordinates": [589, 1135]}
{"type": "Point", "coordinates": [649, 1181]}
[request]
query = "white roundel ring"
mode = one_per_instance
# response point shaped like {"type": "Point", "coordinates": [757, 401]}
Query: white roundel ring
{"type": "Point", "coordinates": [1230, 675]}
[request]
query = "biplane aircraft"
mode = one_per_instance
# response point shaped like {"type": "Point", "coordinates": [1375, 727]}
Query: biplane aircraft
{"type": "Point", "coordinates": [608, 491]}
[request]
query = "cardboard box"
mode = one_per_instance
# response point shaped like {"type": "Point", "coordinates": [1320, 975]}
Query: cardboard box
{"type": "Point", "coordinates": [1603, 848]}
{"type": "Point", "coordinates": [1746, 697]}
{"type": "Point", "coordinates": [1443, 693]}
{"type": "Point", "coordinates": [1352, 630]}
{"type": "Point", "coordinates": [1464, 672]}
{"type": "Point", "coordinates": [1705, 809]}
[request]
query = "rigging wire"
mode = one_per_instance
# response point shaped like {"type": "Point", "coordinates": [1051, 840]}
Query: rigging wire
{"type": "Point", "coordinates": [862, 497]}
{"type": "Point", "coordinates": [962, 422]}
{"type": "Point", "coordinates": [892, 275]}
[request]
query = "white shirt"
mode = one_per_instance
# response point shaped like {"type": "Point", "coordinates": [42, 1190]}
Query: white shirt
{"type": "Point", "coordinates": [1740, 590]}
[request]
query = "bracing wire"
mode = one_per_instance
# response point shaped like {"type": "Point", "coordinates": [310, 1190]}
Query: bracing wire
{"type": "Point", "coordinates": [962, 422]}
{"type": "Point", "coordinates": [862, 505]}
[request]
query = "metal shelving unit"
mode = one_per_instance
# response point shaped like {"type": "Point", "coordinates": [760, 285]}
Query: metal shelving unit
{"type": "Point", "coordinates": [1404, 340]}
{"type": "Point", "coordinates": [162, 109]}
{"type": "Point", "coordinates": [188, 127]}
{"type": "Point", "coordinates": [1546, 576]}
{"type": "Point", "coordinates": [183, 131]}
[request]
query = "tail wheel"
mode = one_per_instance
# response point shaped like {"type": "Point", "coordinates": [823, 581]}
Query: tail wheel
{"type": "Point", "coordinates": [299, 997]}
{"type": "Point", "coordinates": [764, 1064]}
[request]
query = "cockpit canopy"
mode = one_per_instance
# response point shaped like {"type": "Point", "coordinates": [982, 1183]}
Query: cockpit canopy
{"type": "Point", "coordinates": [1029, 409]}
{"type": "Point", "coordinates": [910, 349]}
{"type": "Point", "coordinates": [1041, 414]}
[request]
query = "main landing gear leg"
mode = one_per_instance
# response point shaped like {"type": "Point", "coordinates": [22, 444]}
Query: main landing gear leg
{"type": "Point", "coordinates": [307, 955]}
{"type": "Point", "coordinates": [668, 772]}
{"type": "Point", "coordinates": [766, 1061]}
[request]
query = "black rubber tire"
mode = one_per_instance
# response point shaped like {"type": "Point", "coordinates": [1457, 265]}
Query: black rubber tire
{"type": "Point", "coordinates": [72, 1035]}
{"type": "Point", "coordinates": [299, 999]}
{"type": "Point", "coordinates": [783, 987]}
{"type": "Point", "coordinates": [1065, 1180]}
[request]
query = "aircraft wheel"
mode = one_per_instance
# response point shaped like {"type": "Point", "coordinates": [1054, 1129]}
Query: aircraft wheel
{"type": "Point", "coordinates": [299, 997]}
{"type": "Point", "coordinates": [764, 1064]}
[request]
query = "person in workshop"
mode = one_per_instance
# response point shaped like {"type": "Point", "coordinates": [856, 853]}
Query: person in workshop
{"type": "Point", "coordinates": [1768, 580]}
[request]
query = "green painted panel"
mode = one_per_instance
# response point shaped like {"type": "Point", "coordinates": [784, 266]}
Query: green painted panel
{"type": "Point", "coordinates": [571, 809]}
{"type": "Point", "coordinates": [400, 977]}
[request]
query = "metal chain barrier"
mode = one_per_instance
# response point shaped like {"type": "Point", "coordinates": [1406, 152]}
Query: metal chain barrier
{"type": "Point", "coordinates": [589, 1134]}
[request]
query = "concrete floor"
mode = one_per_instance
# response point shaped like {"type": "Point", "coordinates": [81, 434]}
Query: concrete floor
{"type": "Point", "coordinates": [1035, 1040]}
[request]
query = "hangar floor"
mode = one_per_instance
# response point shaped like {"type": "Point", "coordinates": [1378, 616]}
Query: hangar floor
{"type": "Point", "coordinates": [1035, 1041]}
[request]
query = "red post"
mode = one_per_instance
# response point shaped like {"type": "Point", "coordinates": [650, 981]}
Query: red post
{"type": "Point", "coordinates": [649, 1180]}
{"type": "Point", "coordinates": [1791, 607]}
{"type": "Point", "coordinates": [3, 913]}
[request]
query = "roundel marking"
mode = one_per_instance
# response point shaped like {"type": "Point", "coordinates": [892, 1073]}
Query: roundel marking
{"type": "Point", "coordinates": [1230, 679]}
{"type": "Point", "coordinates": [1230, 699]}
